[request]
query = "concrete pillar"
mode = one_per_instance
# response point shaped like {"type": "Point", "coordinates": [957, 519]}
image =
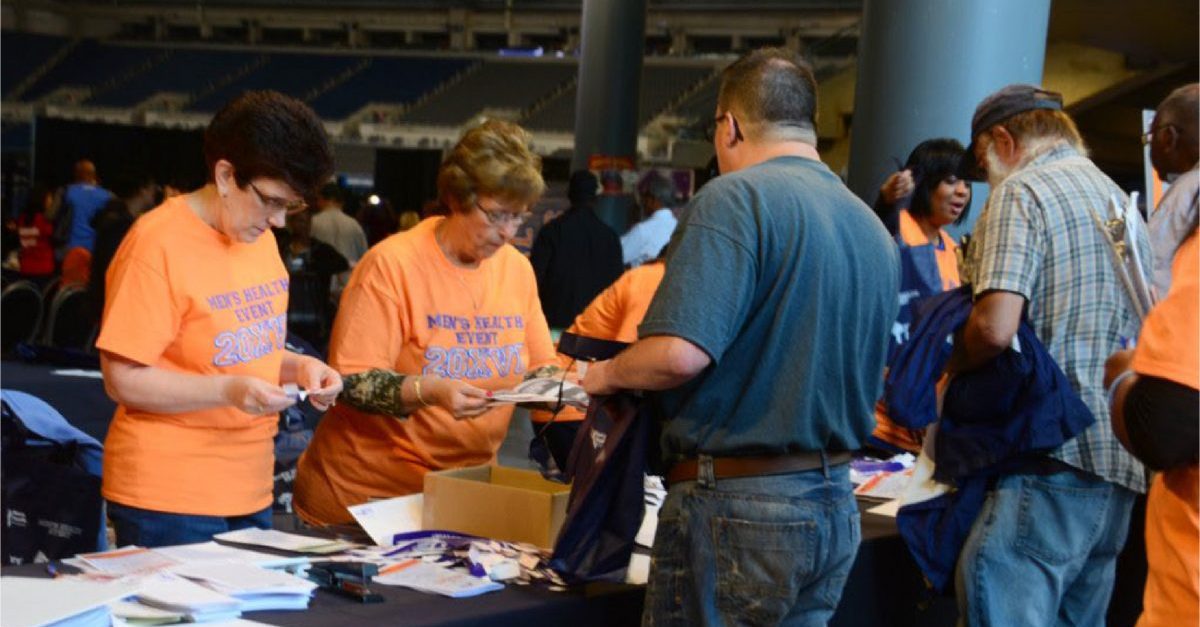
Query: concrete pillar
{"type": "Point", "coordinates": [679, 42]}
{"type": "Point", "coordinates": [461, 35]}
{"type": "Point", "coordinates": [923, 66]}
{"type": "Point", "coordinates": [606, 108]}
{"type": "Point", "coordinates": [792, 40]}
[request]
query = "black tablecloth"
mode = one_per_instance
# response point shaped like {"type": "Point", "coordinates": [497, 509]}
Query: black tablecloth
{"type": "Point", "coordinates": [884, 588]}
{"type": "Point", "coordinates": [81, 400]}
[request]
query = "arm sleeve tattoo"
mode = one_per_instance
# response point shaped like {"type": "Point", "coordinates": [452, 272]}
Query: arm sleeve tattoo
{"type": "Point", "coordinates": [375, 391]}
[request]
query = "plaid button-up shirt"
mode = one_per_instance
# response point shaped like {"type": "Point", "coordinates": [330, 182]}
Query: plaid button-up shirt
{"type": "Point", "coordinates": [1036, 237]}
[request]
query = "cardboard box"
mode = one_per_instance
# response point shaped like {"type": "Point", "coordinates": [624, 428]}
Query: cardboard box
{"type": "Point", "coordinates": [496, 502]}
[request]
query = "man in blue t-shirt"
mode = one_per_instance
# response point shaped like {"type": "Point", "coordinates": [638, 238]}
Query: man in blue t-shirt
{"type": "Point", "coordinates": [767, 338]}
{"type": "Point", "coordinates": [85, 198]}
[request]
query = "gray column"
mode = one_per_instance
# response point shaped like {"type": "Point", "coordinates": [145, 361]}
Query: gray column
{"type": "Point", "coordinates": [923, 66]}
{"type": "Point", "coordinates": [606, 109]}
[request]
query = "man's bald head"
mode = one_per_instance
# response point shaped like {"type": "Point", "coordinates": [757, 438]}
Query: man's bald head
{"type": "Point", "coordinates": [1175, 142]}
{"type": "Point", "coordinates": [85, 171]}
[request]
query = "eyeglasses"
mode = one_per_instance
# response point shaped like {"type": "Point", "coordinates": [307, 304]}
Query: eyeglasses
{"type": "Point", "coordinates": [710, 129]}
{"type": "Point", "coordinates": [500, 217]}
{"type": "Point", "coordinates": [273, 204]}
{"type": "Point", "coordinates": [1148, 136]}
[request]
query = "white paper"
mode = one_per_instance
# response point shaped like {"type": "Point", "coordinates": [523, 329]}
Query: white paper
{"type": "Point", "coordinates": [426, 577]}
{"type": "Point", "coordinates": [75, 372]}
{"type": "Point", "coordinates": [383, 519]}
{"type": "Point", "coordinates": [132, 610]}
{"type": "Point", "coordinates": [171, 592]}
{"type": "Point", "coordinates": [645, 534]}
{"type": "Point", "coordinates": [885, 485]}
{"type": "Point", "coordinates": [543, 390]}
{"type": "Point", "coordinates": [212, 551]}
{"type": "Point", "coordinates": [127, 561]}
{"type": "Point", "coordinates": [639, 569]}
{"type": "Point", "coordinates": [284, 541]}
{"type": "Point", "coordinates": [889, 509]}
{"type": "Point", "coordinates": [239, 579]}
{"type": "Point", "coordinates": [29, 602]}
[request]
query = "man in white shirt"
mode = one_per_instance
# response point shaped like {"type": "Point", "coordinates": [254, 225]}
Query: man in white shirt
{"type": "Point", "coordinates": [332, 226]}
{"type": "Point", "coordinates": [1174, 152]}
{"type": "Point", "coordinates": [646, 239]}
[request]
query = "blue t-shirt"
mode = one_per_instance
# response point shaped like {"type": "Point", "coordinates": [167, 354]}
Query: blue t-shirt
{"type": "Point", "coordinates": [788, 281]}
{"type": "Point", "coordinates": [85, 200]}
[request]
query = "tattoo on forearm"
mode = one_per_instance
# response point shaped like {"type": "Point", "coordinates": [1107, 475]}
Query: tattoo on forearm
{"type": "Point", "coordinates": [375, 391]}
{"type": "Point", "coordinates": [545, 372]}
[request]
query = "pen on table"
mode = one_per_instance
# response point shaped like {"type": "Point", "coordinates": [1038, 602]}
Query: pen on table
{"type": "Point", "coordinates": [391, 568]}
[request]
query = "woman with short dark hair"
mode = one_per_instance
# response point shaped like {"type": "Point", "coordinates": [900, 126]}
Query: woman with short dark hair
{"type": "Point", "coordinates": [915, 204]}
{"type": "Point", "coordinates": [192, 342]}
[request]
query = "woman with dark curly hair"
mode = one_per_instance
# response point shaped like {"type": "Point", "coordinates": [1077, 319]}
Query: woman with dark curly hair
{"type": "Point", "coordinates": [195, 322]}
{"type": "Point", "coordinates": [432, 319]}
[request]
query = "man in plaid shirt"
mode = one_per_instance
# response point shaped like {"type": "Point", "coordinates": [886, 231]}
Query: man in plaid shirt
{"type": "Point", "coordinates": [1043, 549]}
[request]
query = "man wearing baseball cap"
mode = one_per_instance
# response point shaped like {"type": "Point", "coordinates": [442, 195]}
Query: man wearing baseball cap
{"type": "Point", "coordinates": [1043, 548]}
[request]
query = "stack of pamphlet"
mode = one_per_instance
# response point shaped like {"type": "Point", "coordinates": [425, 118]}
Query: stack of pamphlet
{"type": "Point", "coordinates": [283, 541]}
{"type": "Point", "coordinates": [31, 602]}
{"type": "Point", "coordinates": [207, 591]}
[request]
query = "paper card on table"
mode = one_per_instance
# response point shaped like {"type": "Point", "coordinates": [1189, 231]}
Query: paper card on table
{"type": "Point", "coordinates": [383, 519]}
{"type": "Point", "coordinates": [890, 508]}
{"type": "Point", "coordinates": [885, 485]}
{"type": "Point", "coordinates": [238, 578]}
{"type": "Point", "coordinates": [30, 602]}
{"type": "Point", "coordinates": [177, 594]}
{"type": "Point", "coordinates": [284, 541]}
{"type": "Point", "coordinates": [134, 613]}
{"type": "Point", "coordinates": [212, 551]}
{"type": "Point", "coordinates": [435, 579]}
{"type": "Point", "coordinates": [127, 561]}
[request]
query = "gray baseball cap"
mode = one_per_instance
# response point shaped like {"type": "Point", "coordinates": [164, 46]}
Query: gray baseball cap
{"type": "Point", "coordinates": [998, 107]}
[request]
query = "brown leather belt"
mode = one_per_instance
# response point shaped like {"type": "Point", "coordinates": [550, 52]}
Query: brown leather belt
{"type": "Point", "coordinates": [731, 467]}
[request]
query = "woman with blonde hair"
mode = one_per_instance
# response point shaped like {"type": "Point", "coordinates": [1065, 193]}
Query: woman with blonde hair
{"type": "Point", "coordinates": [432, 320]}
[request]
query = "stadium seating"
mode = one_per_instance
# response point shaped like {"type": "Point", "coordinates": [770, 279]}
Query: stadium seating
{"type": "Point", "coordinates": [397, 80]}
{"type": "Point", "coordinates": [497, 84]}
{"type": "Point", "coordinates": [24, 53]}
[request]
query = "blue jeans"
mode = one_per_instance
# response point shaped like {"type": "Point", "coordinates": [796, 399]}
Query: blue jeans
{"type": "Point", "coordinates": [148, 528]}
{"type": "Point", "coordinates": [753, 551]}
{"type": "Point", "coordinates": [1043, 551]}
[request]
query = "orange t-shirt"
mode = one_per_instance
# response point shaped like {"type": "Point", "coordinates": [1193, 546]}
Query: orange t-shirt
{"type": "Point", "coordinates": [945, 254]}
{"type": "Point", "coordinates": [185, 298]}
{"type": "Point", "coordinates": [947, 262]}
{"type": "Point", "coordinates": [1169, 348]}
{"type": "Point", "coordinates": [408, 309]}
{"type": "Point", "coordinates": [613, 315]}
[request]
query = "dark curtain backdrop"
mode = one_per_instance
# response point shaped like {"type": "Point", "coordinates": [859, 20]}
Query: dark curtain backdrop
{"type": "Point", "coordinates": [407, 178]}
{"type": "Point", "coordinates": [171, 155]}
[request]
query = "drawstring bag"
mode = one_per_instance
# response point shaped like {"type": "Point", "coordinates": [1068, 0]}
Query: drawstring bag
{"type": "Point", "coordinates": [51, 484]}
{"type": "Point", "coordinates": [605, 509]}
